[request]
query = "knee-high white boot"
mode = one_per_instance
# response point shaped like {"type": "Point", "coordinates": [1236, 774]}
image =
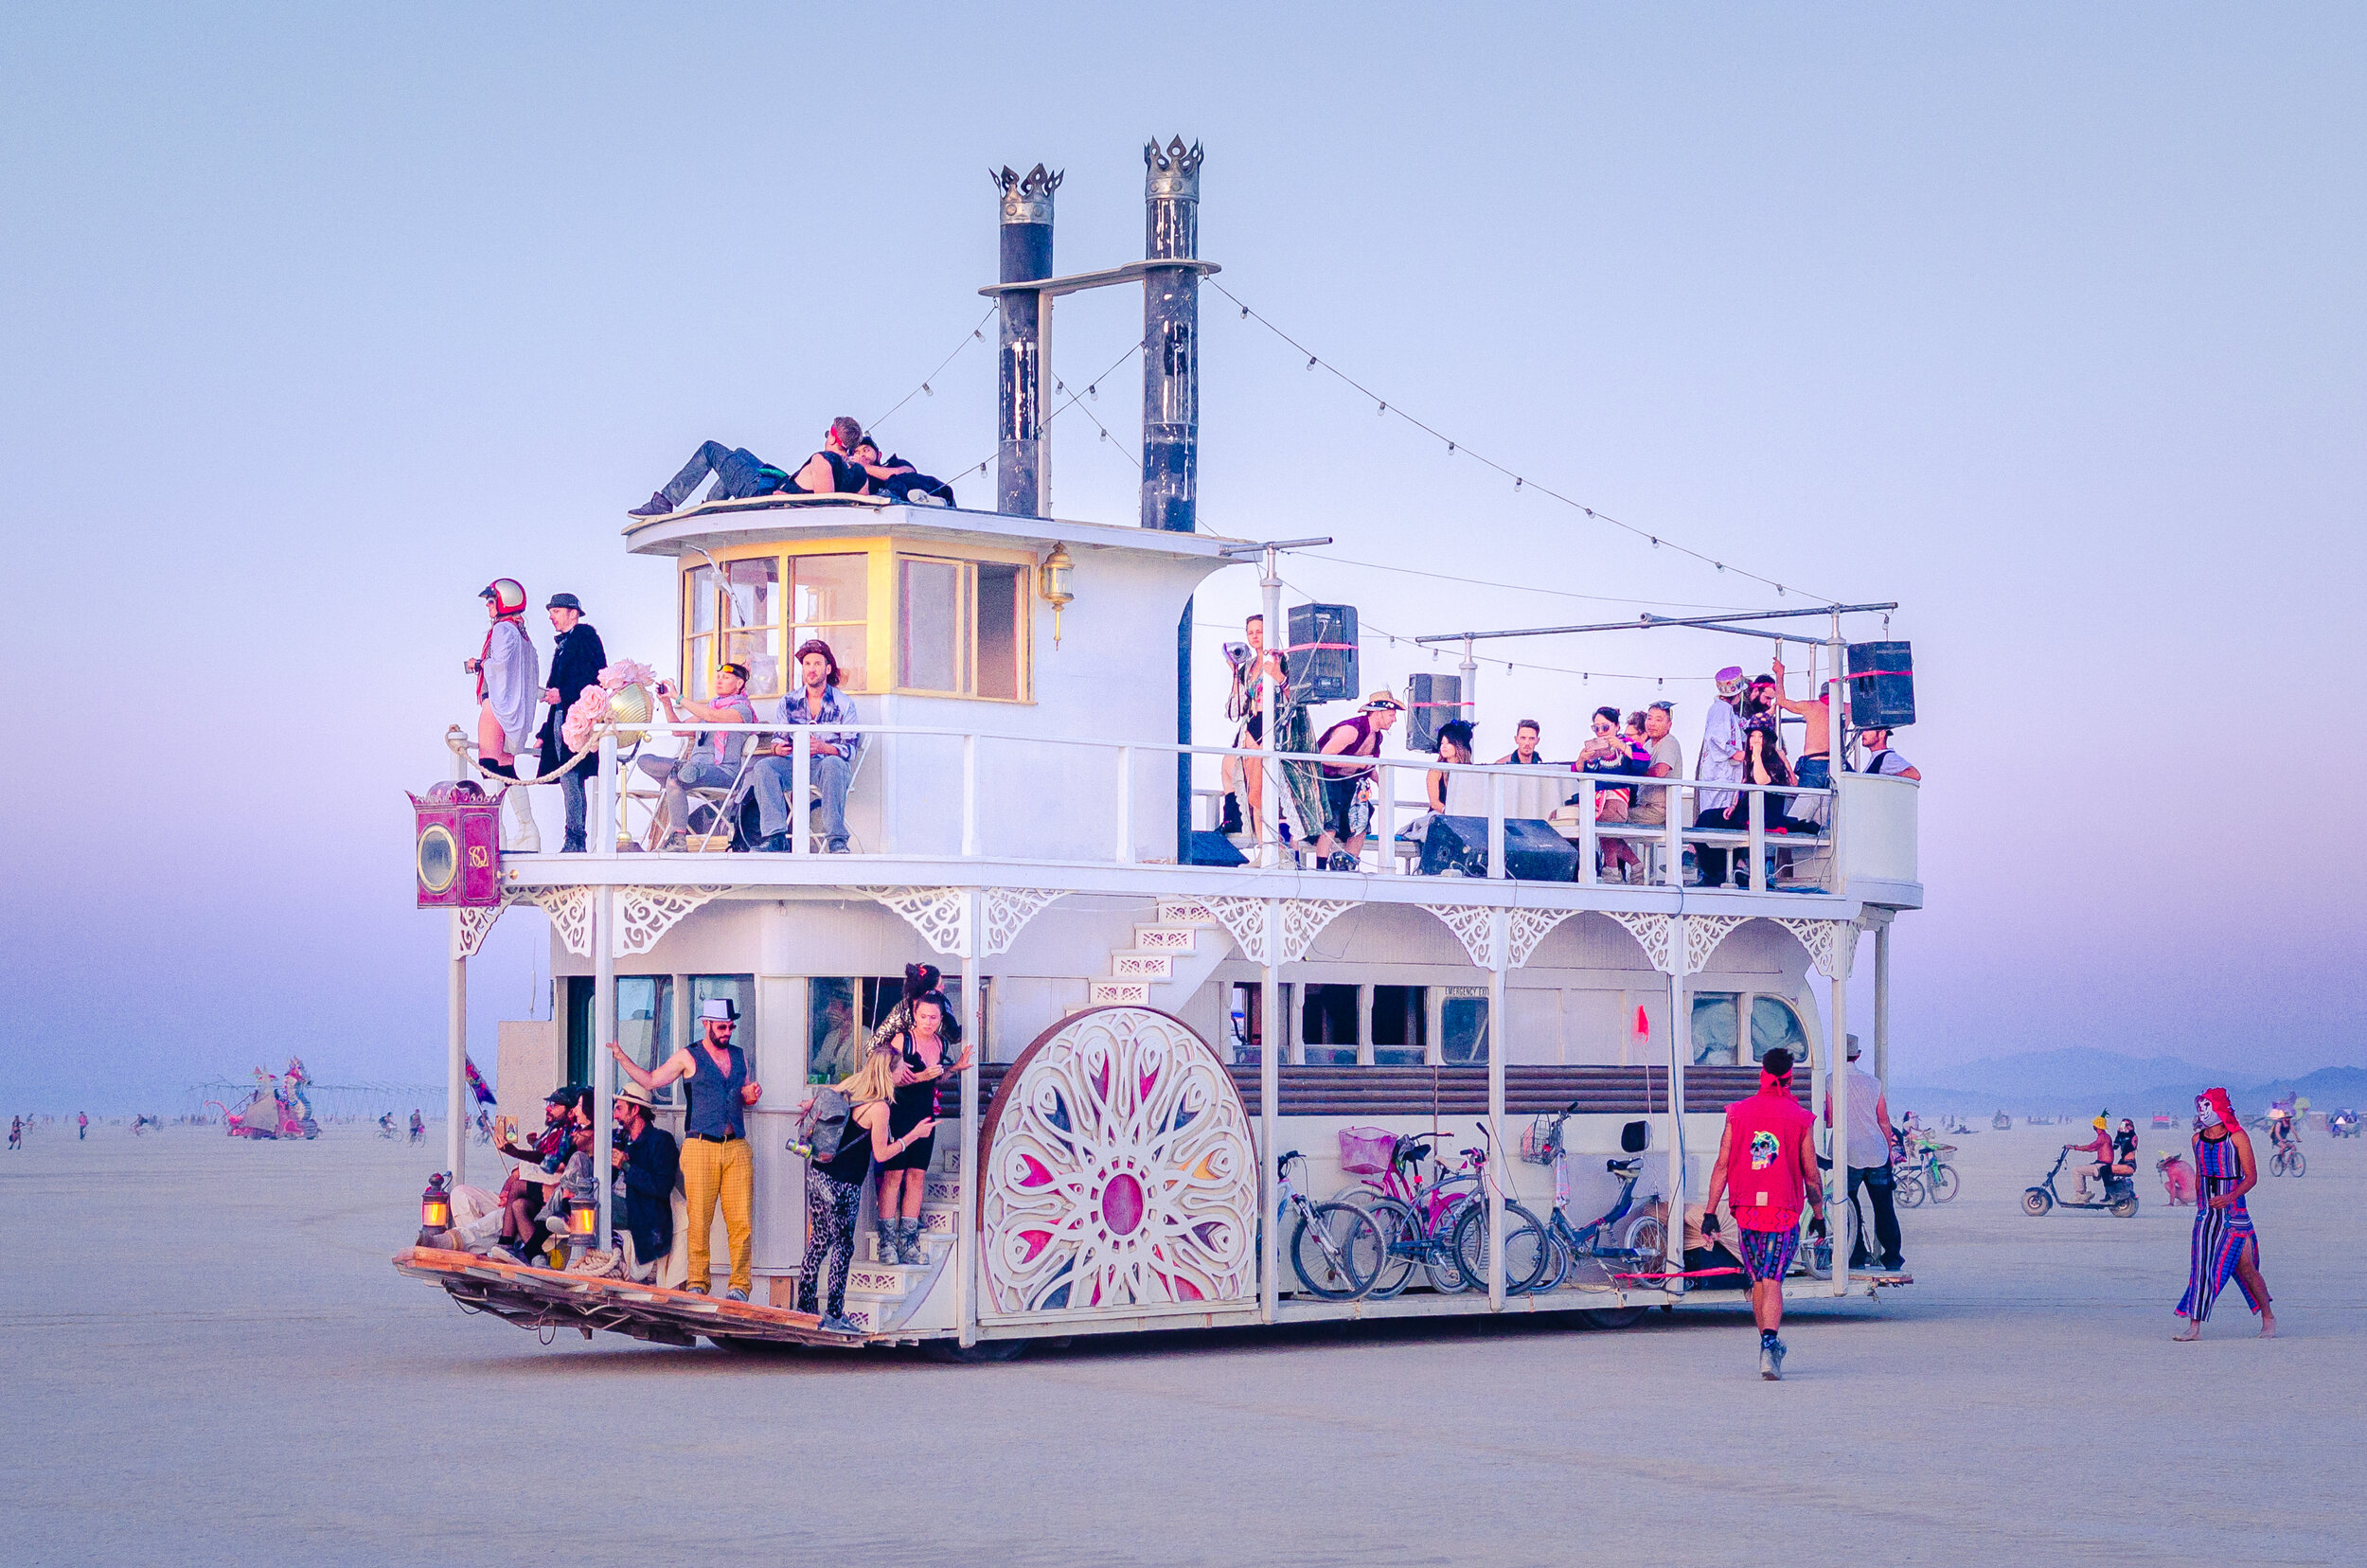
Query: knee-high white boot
{"type": "Point", "coordinates": [523, 836]}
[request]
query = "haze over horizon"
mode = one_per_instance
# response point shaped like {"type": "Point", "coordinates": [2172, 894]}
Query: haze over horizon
{"type": "Point", "coordinates": [2045, 324]}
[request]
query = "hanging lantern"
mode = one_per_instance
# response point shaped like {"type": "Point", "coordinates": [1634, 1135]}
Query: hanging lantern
{"type": "Point", "coordinates": [435, 1209]}
{"type": "Point", "coordinates": [1052, 581]}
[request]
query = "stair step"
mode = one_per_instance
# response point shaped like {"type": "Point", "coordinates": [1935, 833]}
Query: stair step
{"type": "Point", "coordinates": [933, 1243]}
{"type": "Point", "coordinates": [1165, 938]}
{"type": "Point", "coordinates": [885, 1279]}
{"type": "Point", "coordinates": [1105, 993]}
{"type": "Point", "coordinates": [1142, 966]}
{"type": "Point", "coordinates": [942, 1189]}
{"type": "Point", "coordinates": [1185, 912]}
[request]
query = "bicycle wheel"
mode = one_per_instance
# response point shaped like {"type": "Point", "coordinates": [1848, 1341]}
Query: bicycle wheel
{"type": "Point", "coordinates": [1944, 1183]}
{"type": "Point", "coordinates": [1335, 1249]}
{"type": "Point", "coordinates": [2301, 1165]}
{"type": "Point", "coordinates": [1648, 1238]}
{"type": "Point", "coordinates": [1911, 1191]}
{"type": "Point", "coordinates": [1439, 1259]}
{"type": "Point", "coordinates": [1401, 1246]}
{"type": "Point", "coordinates": [1526, 1253]}
{"type": "Point", "coordinates": [1558, 1260]}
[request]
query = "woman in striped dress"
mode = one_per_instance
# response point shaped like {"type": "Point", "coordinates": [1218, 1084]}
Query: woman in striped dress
{"type": "Point", "coordinates": [2225, 1245]}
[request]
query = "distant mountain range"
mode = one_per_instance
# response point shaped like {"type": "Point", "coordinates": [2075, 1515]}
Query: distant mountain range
{"type": "Point", "coordinates": [2081, 1080]}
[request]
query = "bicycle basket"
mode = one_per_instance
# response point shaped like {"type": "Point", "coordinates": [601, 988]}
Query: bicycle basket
{"type": "Point", "coordinates": [1365, 1150]}
{"type": "Point", "coordinates": [1540, 1141]}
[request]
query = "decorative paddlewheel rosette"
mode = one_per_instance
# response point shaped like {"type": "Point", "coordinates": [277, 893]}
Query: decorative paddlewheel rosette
{"type": "Point", "coordinates": [1118, 1171]}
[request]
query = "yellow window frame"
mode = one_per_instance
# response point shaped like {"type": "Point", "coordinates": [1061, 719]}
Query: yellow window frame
{"type": "Point", "coordinates": [969, 558]}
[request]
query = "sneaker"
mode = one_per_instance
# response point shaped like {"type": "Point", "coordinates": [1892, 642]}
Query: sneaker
{"type": "Point", "coordinates": [675, 843]}
{"type": "Point", "coordinates": [1778, 1354]}
{"type": "Point", "coordinates": [658, 507]}
{"type": "Point", "coordinates": [1770, 1364]}
{"type": "Point", "coordinates": [837, 1324]}
{"type": "Point", "coordinates": [735, 1294]}
{"type": "Point", "coordinates": [773, 844]}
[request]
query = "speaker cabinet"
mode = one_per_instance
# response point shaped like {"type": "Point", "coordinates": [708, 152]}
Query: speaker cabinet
{"type": "Point", "coordinates": [1435, 699]}
{"type": "Point", "coordinates": [1320, 657]}
{"type": "Point", "coordinates": [1457, 847]}
{"type": "Point", "coordinates": [1881, 685]}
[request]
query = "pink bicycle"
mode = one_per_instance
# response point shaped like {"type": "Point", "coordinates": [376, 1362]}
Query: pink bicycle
{"type": "Point", "coordinates": [1416, 1214]}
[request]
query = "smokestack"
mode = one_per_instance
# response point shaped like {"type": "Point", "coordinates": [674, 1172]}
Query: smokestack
{"type": "Point", "coordinates": [1026, 257]}
{"type": "Point", "coordinates": [1171, 338]}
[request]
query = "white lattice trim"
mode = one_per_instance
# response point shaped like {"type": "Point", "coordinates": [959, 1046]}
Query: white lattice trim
{"type": "Point", "coordinates": [1833, 953]}
{"type": "Point", "coordinates": [1474, 926]}
{"type": "Point", "coordinates": [646, 914]}
{"type": "Point", "coordinates": [941, 915]}
{"type": "Point", "coordinates": [1245, 919]}
{"type": "Point", "coordinates": [470, 931]}
{"type": "Point", "coordinates": [1702, 935]}
{"type": "Point", "coordinates": [1303, 920]}
{"type": "Point", "coordinates": [1653, 932]}
{"type": "Point", "coordinates": [1530, 927]}
{"type": "Point", "coordinates": [570, 909]}
{"type": "Point", "coordinates": [1008, 912]}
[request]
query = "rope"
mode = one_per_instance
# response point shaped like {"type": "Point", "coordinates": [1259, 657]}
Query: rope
{"type": "Point", "coordinates": [457, 739]}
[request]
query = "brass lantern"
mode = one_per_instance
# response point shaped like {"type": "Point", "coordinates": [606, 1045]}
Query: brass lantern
{"type": "Point", "coordinates": [1051, 580]}
{"type": "Point", "coordinates": [434, 1210]}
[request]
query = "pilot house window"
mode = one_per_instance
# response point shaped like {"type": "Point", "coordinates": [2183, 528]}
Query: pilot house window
{"type": "Point", "coordinates": [763, 607]}
{"type": "Point", "coordinates": [961, 627]}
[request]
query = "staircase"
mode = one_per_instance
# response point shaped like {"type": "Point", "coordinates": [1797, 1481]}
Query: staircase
{"type": "Point", "coordinates": [884, 1296]}
{"type": "Point", "coordinates": [1168, 962]}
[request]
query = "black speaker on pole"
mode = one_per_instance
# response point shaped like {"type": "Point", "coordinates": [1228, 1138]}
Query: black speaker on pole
{"type": "Point", "coordinates": [1881, 685]}
{"type": "Point", "coordinates": [1435, 699]}
{"type": "Point", "coordinates": [1457, 847]}
{"type": "Point", "coordinates": [1320, 658]}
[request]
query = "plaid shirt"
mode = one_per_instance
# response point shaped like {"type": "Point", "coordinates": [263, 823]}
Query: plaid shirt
{"type": "Point", "coordinates": [837, 709]}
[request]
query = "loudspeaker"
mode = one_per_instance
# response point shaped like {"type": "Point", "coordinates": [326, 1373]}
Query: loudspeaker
{"type": "Point", "coordinates": [1881, 685]}
{"type": "Point", "coordinates": [1320, 658]}
{"type": "Point", "coordinates": [1208, 848]}
{"type": "Point", "coordinates": [1457, 847]}
{"type": "Point", "coordinates": [1435, 699]}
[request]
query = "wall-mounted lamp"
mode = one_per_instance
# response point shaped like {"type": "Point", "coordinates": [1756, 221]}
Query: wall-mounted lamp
{"type": "Point", "coordinates": [1052, 582]}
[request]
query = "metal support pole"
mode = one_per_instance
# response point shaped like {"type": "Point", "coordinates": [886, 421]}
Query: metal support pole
{"type": "Point", "coordinates": [604, 1065]}
{"type": "Point", "coordinates": [1499, 951]}
{"type": "Point", "coordinates": [605, 823]}
{"type": "Point", "coordinates": [1170, 493]}
{"type": "Point", "coordinates": [967, 1275]}
{"type": "Point", "coordinates": [1837, 1091]}
{"type": "Point", "coordinates": [1026, 256]}
{"type": "Point", "coordinates": [455, 1067]}
{"type": "Point", "coordinates": [801, 791]}
{"type": "Point", "coordinates": [1588, 846]}
{"type": "Point", "coordinates": [1882, 1005]}
{"type": "Point", "coordinates": [1268, 1102]}
{"type": "Point", "coordinates": [1466, 705]}
{"type": "Point", "coordinates": [1272, 853]}
{"type": "Point", "coordinates": [1679, 1046]}
{"type": "Point", "coordinates": [1496, 866]}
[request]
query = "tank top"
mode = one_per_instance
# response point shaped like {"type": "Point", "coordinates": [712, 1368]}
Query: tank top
{"type": "Point", "coordinates": [853, 1160]}
{"type": "Point", "coordinates": [714, 1105]}
{"type": "Point", "coordinates": [1367, 745]}
{"type": "Point", "coordinates": [1763, 1159]}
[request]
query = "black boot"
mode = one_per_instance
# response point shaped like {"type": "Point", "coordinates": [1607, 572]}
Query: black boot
{"type": "Point", "coordinates": [658, 507]}
{"type": "Point", "coordinates": [1231, 823]}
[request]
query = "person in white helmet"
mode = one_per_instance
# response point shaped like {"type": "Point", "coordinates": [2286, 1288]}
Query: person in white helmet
{"type": "Point", "coordinates": [508, 685]}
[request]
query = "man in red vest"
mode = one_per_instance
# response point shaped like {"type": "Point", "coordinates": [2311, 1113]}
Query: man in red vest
{"type": "Point", "coordinates": [1767, 1169]}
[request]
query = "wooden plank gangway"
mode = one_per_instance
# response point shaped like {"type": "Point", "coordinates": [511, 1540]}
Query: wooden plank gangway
{"type": "Point", "coordinates": [546, 1298]}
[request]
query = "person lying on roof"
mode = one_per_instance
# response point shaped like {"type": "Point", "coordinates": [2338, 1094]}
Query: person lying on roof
{"type": "Point", "coordinates": [740, 473]}
{"type": "Point", "coordinates": [899, 480]}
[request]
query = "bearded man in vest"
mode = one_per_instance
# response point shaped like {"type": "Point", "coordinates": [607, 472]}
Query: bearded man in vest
{"type": "Point", "coordinates": [1766, 1170]}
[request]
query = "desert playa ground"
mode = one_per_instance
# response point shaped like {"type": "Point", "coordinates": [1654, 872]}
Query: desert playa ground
{"type": "Point", "coordinates": [210, 1360]}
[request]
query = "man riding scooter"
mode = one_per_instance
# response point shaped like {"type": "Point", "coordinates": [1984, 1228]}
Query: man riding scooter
{"type": "Point", "coordinates": [2101, 1147]}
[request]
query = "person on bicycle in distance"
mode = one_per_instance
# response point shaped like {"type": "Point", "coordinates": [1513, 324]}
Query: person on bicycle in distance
{"type": "Point", "coordinates": [2101, 1147]}
{"type": "Point", "coordinates": [1767, 1163]}
{"type": "Point", "coordinates": [2281, 1126]}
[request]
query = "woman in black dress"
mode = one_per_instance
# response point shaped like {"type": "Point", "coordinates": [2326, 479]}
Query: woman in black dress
{"type": "Point", "coordinates": [923, 1048]}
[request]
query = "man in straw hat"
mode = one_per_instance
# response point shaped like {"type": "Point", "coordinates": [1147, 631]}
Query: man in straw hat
{"type": "Point", "coordinates": [715, 1165]}
{"type": "Point", "coordinates": [1356, 737]}
{"type": "Point", "coordinates": [648, 1163]}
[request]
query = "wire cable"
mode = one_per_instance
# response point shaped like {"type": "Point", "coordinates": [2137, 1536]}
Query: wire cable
{"type": "Point", "coordinates": [977, 334]}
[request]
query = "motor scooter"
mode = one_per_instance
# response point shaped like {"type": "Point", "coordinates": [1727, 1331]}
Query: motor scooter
{"type": "Point", "coordinates": [2177, 1178]}
{"type": "Point", "coordinates": [2120, 1194]}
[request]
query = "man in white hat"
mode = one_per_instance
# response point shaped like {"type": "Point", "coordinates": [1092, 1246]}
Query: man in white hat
{"type": "Point", "coordinates": [1721, 761]}
{"type": "Point", "coordinates": [715, 1164]}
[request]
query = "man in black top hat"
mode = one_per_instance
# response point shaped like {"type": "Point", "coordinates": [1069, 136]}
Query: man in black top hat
{"type": "Point", "coordinates": [576, 659]}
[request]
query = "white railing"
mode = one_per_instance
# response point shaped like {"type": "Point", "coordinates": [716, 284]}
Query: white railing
{"type": "Point", "coordinates": [1668, 838]}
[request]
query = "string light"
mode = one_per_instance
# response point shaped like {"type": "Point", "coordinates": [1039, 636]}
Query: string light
{"type": "Point", "coordinates": [1520, 482]}
{"type": "Point", "coordinates": [977, 334]}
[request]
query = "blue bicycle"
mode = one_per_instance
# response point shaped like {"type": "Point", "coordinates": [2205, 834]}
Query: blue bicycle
{"type": "Point", "coordinates": [1620, 1241]}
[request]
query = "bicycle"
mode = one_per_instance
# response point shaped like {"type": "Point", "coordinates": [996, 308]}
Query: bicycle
{"type": "Point", "coordinates": [1526, 1251]}
{"type": "Point", "coordinates": [1643, 1239]}
{"type": "Point", "coordinates": [2288, 1161]}
{"type": "Point", "coordinates": [1934, 1174]}
{"type": "Point", "coordinates": [1335, 1248]}
{"type": "Point", "coordinates": [1417, 1217]}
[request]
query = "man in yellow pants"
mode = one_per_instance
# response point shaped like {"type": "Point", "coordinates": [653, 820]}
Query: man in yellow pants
{"type": "Point", "coordinates": [715, 1165]}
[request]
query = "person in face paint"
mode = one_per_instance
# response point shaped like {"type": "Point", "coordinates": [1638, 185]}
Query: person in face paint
{"type": "Point", "coordinates": [2225, 1245]}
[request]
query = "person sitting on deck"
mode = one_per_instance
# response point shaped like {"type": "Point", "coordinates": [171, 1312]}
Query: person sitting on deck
{"type": "Point", "coordinates": [818, 701]}
{"type": "Point", "coordinates": [1606, 752]}
{"type": "Point", "coordinates": [522, 1195]}
{"type": "Point", "coordinates": [1451, 793]}
{"type": "Point", "coordinates": [739, 474]}
{"type": "Point", "coordinates": [1356, 737]}
{"type": "Point", "coordinates": [648, 1166]}
{"type": "Point", "coordinates": [1881, 760]}
{"type": "Point", "coordinates": [899, 480]}
{"type": "Point", "coordinates": [1524, 754]}
{"type": "Point", "coordinates": [714, 759]}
